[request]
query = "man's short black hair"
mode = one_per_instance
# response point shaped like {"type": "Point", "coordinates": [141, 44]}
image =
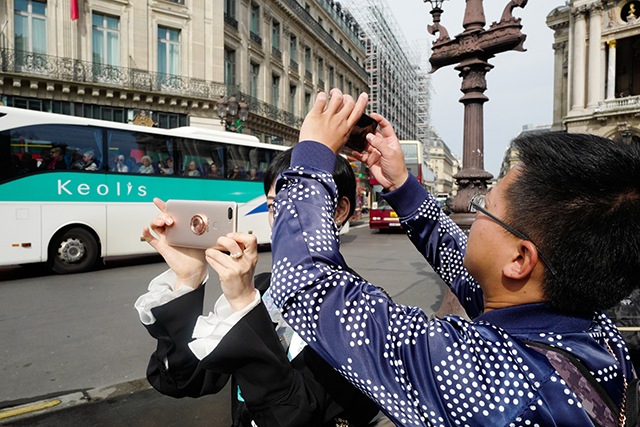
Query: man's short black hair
{"type": "Point", "coordinates": [577, 197]}
{"type": "Point", "coordinates": [342, 174]}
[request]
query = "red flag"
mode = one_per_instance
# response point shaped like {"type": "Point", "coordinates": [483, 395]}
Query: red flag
{"type": "Point", "coordinates": [74, 10]}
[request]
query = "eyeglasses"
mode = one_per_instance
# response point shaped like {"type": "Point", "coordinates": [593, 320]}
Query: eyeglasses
{"type": "Point", "coordinates": [477, 203]}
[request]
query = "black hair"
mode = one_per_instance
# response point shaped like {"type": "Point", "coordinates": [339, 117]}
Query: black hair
{"type": "Point", "coordinates": [577, 197]}
{"type": "Point", "coordinates": [342, 174]}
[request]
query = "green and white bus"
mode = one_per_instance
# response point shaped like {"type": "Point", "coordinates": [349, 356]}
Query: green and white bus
{"type": "Point", "coordinates": [54, 210]}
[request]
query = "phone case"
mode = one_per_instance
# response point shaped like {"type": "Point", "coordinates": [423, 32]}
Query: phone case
{"type": "Point", "coordinates": [199, 223]}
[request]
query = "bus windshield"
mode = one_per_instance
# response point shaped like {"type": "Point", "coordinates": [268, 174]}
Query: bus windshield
{"type": "Point", "coordinates": [378, 202]}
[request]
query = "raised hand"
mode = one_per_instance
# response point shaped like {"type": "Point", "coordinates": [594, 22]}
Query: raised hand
{"type": "Point", "coordinates": [332, 125]}
{"type": "Point", "coordinates": [236, 269]}
{"type": "Point", "coordinates": [384, 155]}
{"type": "Point", "coordinates": [189, 264]}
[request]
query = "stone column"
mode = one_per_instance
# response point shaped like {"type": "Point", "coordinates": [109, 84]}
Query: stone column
{"type": "Point", "coordinates": [611, 70]}
{"type": "Point", "coordinates": [595, 34]}
{"type": "Point", "coordinates": [558, 84]}
{"type": "Point", "coordinates": [579, 59]}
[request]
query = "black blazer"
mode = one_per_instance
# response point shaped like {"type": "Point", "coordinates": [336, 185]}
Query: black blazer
{"type": "Point", "coordinates": [304, 392]}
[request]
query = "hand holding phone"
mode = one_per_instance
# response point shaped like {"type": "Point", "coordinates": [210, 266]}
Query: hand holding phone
{"type": "Point", "coordinates": [199, 224]}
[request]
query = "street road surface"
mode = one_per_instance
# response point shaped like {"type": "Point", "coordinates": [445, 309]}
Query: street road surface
{"type": "Point", "coordinates": [78, 332]}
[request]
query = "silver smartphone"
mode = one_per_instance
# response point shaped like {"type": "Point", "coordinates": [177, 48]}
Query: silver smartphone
{"type": "Point", "coordinates": [199, 223]}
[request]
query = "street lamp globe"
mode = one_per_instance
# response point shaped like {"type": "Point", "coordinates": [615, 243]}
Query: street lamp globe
{"type": "Point", "coordinates": [435, 4]}
{"type": "Point", "coordinates": [221, 105]}
{"type": "Point", "coordinates": [244, 110]}
{"type": "Point", "coordinates": [233, 106]}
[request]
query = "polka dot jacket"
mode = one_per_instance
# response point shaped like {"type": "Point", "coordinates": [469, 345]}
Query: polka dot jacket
{"type": "Point", "coordinates": [447, 372]}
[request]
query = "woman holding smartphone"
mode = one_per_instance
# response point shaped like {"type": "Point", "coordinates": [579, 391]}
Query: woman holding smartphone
{"type": "Point", "coordinates": [277, 380]}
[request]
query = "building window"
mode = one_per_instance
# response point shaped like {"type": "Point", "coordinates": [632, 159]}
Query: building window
{"type": "Point", "coordinates": [341, 86]}
{"type": "Point", "coordinates": [229, 67]}
{"type": "Point", "coordinates": [307, 59]}
{"type": "Point", "coordinates": [275, 35]}
{"type": "Point", "coordinates": [255, 19]}
{"type": "Point", "coordinates": [320, 69]}
{"type": "Point", "coordinates": [307, 103]}
{"type": "Point", "coordinates": [254, 78]}
{"type": "Point", "coordinates": [350, 92]}
{"type": "Point", "coordinates": [230, 8]}
{"type": "Point", "coordinates": [331, 77]}
{"type": "Point", "coordinates": [168, 51]}
{"type": "Point", "coordinates": [30, 26]}
{"type": "Point", "coordinates": [292, 99]}
{"type": "Point", "coordinates": [106, 35]}
{"type": "Point", "coordinates": [320, 22]}
{"type": "Point", "coordinates": [293, 48]}
{"type": "Point", "coordinates": [275, 90]}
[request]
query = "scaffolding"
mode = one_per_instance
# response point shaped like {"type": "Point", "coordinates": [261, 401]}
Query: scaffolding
{"type": "Point", "coordinates": [398, 89]}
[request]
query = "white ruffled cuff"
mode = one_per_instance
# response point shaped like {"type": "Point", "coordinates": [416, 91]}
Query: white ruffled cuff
{"type": "Point", "coordinates": [161, 291]}
{"type": "Point", "coordinates": [210, 330]}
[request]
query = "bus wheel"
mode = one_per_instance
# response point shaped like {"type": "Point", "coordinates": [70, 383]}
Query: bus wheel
{"type": "Point", "coordinates": [73, 251]}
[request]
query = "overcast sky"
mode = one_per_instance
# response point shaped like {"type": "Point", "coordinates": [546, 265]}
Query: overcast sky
{"type": "Point", "coordinates": [520, 87]}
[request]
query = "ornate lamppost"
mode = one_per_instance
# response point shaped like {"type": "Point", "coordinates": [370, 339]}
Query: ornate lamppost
{"type": "Point", "coordinates": [471, 50]}
{"type": "Point", "coordinates": [232, 113]}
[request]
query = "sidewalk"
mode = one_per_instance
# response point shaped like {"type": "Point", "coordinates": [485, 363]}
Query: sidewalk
{"type": "Point", "coordinates": [128, 404]}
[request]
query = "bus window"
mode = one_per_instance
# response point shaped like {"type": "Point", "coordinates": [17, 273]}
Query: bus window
{"type": "Point", "coordinates": [195, 157]}
{"type": "Point", "coordinates": [30, 148]}
{"type": "Point", "coordinates": [134, 146]}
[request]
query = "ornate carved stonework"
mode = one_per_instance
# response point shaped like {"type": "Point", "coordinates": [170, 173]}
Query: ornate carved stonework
{"type": "Point", "coordinates": [560, 46]}
{"type": "Point", "coordinates": [267, 15]}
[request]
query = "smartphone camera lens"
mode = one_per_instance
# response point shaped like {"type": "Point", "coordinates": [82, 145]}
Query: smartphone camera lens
{"type": "Point", "coordinates": [199, 224]}
{"type": "Point", "coordinates": [230, 213]}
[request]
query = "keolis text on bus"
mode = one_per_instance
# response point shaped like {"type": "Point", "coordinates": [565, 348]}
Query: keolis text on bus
{"type": "Point", "coordinates": [84, 189]}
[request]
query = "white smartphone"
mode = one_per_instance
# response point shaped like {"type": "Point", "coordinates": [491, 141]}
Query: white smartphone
{"type": "Point", "coordinates": [199, 223]}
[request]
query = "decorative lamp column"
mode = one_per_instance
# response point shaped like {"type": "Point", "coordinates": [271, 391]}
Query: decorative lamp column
{"type": "Point", "coordinates": [471, 50]}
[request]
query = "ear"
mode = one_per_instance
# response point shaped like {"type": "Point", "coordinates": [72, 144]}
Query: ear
{"type": "Point", "coordinates": [523, 263]}
{"type": "Point", "coordinates": [342, 211]}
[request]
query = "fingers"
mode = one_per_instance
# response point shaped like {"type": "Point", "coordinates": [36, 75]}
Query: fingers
{"type": "Point", "coordinates": [148, 237]}
{"type": "Point", "coordinates": [248, 241]}
{"type": "Point", "coordinates": [335, 104]}
{"type": "Point", "coordinates": [160, 204]}
{"type": "Point", "coordinates": [321, 102]}
{"type": "Point", "coordinates": [385, 125]}
{"type": "Point", "coordinates": [358, 109]}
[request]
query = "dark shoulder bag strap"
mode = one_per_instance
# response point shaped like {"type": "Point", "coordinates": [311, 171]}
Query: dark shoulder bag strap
{"type": "Point", "coordinates": [594, 398]}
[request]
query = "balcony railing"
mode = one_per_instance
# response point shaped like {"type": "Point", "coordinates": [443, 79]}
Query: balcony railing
{"type": "Point", "coordinates": [293, 65]}
{"type": "Point", "coordinates": [628, 104]}
{"type": "Point", "coordinates": [256, 38]}
{"type": "Point", "coordinates": [176, 1]}
{"type": "Point", "coordinates": [231, 20]}
{"type": "Point", "coordinates": [308, 74]}
{"type": "Point", "coordinates": [276, 52]}
{"type": "Point", "coordinates": [73, 70]}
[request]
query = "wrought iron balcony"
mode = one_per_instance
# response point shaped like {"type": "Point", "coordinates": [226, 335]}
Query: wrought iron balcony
{"type": "Point", "coordinates": [294, 65]}
{"type": "Point", "coordinates": [176, 1]}
{"type": "Point", "coordinates": [228, 19]}
{"type": "Point", "coordinates": [321, 83]}
{"type": "Point", "coordinates": [276, 52]}
{"type": "Point", "coordinates": [28, 64]}
{"type": "Point", "coordinates": [308, 74]}
{"type": "Point", "coordinates": [256, 38]}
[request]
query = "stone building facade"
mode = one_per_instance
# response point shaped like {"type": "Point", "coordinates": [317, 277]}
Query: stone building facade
{"type": "Point", "coordinates": [172, 60]}
{"type": "Point", "coordinates": [597, 70]}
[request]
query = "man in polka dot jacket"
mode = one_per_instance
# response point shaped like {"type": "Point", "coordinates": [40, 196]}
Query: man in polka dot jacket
{"type": "Point", "coordinates": [576, 196]}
